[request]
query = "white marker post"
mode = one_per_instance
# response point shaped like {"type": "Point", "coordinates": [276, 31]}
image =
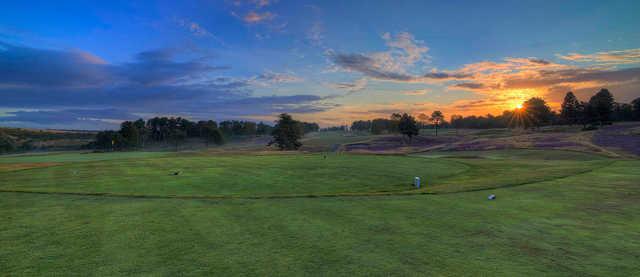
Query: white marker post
{"type": "Point", "coordinates": [416, 182]}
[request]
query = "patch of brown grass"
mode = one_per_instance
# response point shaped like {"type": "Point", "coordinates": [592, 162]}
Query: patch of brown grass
{"type": "Point", "coordinates": [21, 166]}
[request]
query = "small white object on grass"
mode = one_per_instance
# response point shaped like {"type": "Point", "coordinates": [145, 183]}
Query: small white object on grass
{"type": "Point", "coordinates": [416, 182]}
{"type": "Point", "coordinates": [492, 197]}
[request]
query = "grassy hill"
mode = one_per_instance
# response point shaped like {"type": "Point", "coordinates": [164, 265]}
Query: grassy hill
{"type": "Point", "coordinates": [566, 204]}
{"type": "Point", "coordinates": [556, 213]}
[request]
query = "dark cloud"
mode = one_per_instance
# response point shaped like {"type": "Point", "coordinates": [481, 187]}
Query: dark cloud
{"type": "Point", "coordinates": [569, 76]}
{"type": "Point", "coordinates": [445, 76]}
{"type": "Point", "coordinates": [540, 61]}
{"type": "Point", "coordinates": [23, 66]}
{"type": "Point", "coordinates": [367, 66]}
{"type": "Point", "coordinates": [474, 104]}
{"type": "Point", "coordinates": [468, 85]}
{"type": "Point", "coordinates": [76, 88]}
{"type": "Point", "coordinates": [157, 67]}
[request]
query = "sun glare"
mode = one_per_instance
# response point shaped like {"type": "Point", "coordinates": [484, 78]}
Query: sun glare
{"type": "Point", "coordinates": [519, 106]}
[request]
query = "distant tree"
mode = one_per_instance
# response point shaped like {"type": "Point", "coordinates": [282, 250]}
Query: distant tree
{"type": "Point", "coordinates": [361, 125]}
{"type": "Point", "coordinates": [130, 134]}
{"type": "Point", "coordinates": [635, 107]}
{"type": "Point", "coordinates": [142, 131]}
{"type": "Point", "coordinates": [27, 146]}
{"type": "Point", "coordinates": [408, 126]}
{"type": "Point", "coordinates": [622, 112]}
{"type": "Point", "coordinates": [211, 134]}
{"type": "Point", "coordinates": [456, 121]}
{"type": "Point", "coordinates": [7, 143]}
{"type": "Point", "coordinates": [263, 129]}
{"type": "Point", "coordinates": [423, 119]}
{"type": "Point", "coordinates": [392, 125]}
{"type": "Point", "coordinates": [379, 126]}
{"type": "Point", "coordinates": [177, 136]}
{"type": "Point", "coordinates": [569, 109]}
{"type": "Point", "coordinates": [436, 118]}
{"type": "Point", "coordinates": [108, 140]}
{"type": "Point", "coordinates": [602, 105]}
{"type": "Point", "coordinates": [341, 128]}
{"type": "Point", "coordinates": [287, 133]}
{"type": "Point", "coordinates": [249, 128]}
{"type": "Point", "coordinates": [226, 128]}
{"type": "Point", "coordinates": [537, 111]}
{"type": "Point", "coordinates": [309, 127]}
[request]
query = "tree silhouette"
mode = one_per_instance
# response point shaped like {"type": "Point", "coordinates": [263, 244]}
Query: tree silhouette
{"type": "Point", "coordinates": [569, 109]}
{"type": "Point", "coordinates": [437, 117]}
{"type": "Point", "coordinates": [408, 126]}
{"type": "Point", "coordinates": [286, 133]}
{"type": "Point", "coordinates": [602, 105]}
{"type": "Point", "coordinates": [537, 111]}
{"type": "Point", "coordinates": [635, 107]}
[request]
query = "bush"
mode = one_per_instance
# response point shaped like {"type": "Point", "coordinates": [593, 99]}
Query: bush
{"type": "Point", "coordinates": [590, 128]}
{"type": "Point", "coordinates": [7, 143]}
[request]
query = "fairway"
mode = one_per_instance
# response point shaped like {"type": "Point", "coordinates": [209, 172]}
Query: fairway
{"type": "Point", "coordinates": [201, 175]}
{"type": "Point", "coordinates": [560, 213]}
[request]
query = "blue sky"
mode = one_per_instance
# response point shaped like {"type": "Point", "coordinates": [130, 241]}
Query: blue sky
{"type": "Point", "coordinates": [92, 64]}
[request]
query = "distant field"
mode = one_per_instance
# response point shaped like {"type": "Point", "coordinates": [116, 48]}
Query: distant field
{"type": "Point", "coordinates": [557, 213]}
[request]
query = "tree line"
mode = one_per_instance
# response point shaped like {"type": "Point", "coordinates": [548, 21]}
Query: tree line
{"type": "Point", "coordinates": [601, 109]}
{"type": "Point", "coordinates": [176, 130]}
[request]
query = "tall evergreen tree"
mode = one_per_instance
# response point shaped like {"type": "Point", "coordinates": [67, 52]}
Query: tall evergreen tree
{"type": "Point", "coordinates": [635, 107]}
{"type": "Point", "coordinates": [130, 134]}
{"type": "Point", "coordinates": [569, 109]}
{"type": "Point", "coordinates": [602, 105]}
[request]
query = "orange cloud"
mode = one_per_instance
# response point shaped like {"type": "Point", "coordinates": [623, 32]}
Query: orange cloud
{"type": "Point", "coordinates": [256, 17]}
{"type": "Point", "coordinates": [629, 56]}
{"type": "Point", "coordinates": [416, 92]}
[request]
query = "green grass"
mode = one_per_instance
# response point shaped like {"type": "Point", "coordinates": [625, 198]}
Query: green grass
{"type": "Point", "coordinates": [77, 157]}
{"type": "Point", "coordinates": [239, 175]}
{"type": "Point", "coordinates": [287, 175]}
{"type": "Point", "coordinates": [582, 224]}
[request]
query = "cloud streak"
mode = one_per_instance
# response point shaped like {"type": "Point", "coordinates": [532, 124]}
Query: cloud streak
{"type": "Point", "coordinates": [391, 65]}
{"type": "Point", "coordinates": [619, 57]}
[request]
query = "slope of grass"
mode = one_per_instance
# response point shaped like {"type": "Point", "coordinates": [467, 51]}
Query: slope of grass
{"type": "Point", "coordinates": [290, 175]}
{"type": "Point", "coordinates": [583, 225]}
{"type": "Point", "coordinates": [233, 175]}
{"type": "Point", "coordinates": [77, 156]}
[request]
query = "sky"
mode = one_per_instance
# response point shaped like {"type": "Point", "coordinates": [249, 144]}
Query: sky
{"type": "Point", "coordinates": [93, 64]}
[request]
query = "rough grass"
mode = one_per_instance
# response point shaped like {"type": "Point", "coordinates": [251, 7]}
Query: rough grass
{"type": "Point", "coordinates": [584, 225]}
